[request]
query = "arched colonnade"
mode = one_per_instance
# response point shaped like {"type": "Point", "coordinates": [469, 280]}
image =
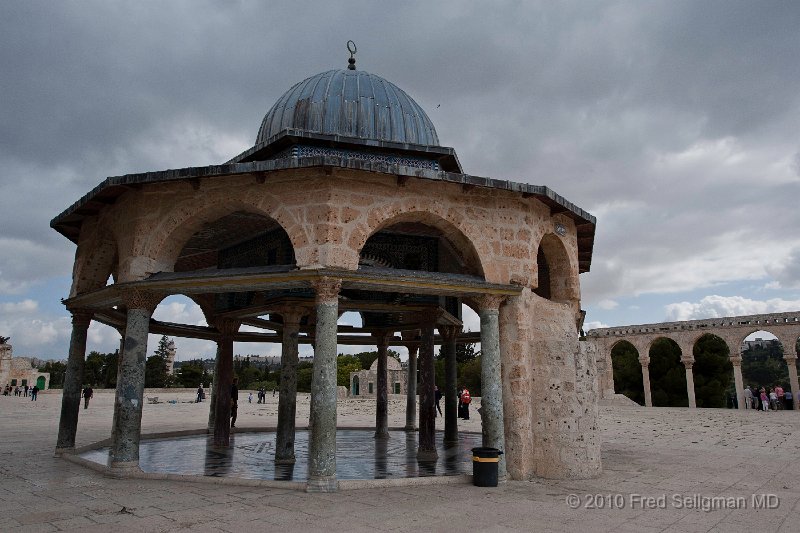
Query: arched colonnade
{"type": "Point", "coordinates": [732, 330]}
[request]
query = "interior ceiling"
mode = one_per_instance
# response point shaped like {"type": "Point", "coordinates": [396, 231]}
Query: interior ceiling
{"type": "Point", "coordinates": [201, 249]}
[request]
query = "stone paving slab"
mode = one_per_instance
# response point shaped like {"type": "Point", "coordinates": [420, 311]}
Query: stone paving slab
{"type": "Point", "coordinates": [646, 452]}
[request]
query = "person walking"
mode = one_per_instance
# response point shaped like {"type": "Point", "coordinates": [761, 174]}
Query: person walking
{"type": "Point", "coordinates": [26, 390]}
{"type": "Point", "coordinates": [87, 395]}
{"type": "Point", "coordinates": [234, 401]}
{"type": "Point", "coordinates": [437, 395]}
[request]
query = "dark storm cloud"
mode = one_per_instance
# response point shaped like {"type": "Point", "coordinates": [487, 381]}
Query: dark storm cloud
{"type": "Point", "coordinates": [675, 122]}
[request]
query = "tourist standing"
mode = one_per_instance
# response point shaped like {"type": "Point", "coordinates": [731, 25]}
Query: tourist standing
{"type": "Point", "coordinates": [773, 400]}
{"type": "Point", "coordinates": [764, 399]}
{"type": "Point", "coordinates": [26, 390]}
{"type": "Point", "coordinates": [466, 399]}
{"type": "Point", "coordinates": [787, 398]}
{"type": "Point", "coordinates": [437, 394]}
{"type": "Point", "coordinates": [87, 395]}
{"type": "Point", "coordinates": [748, 398]}
{"type": "Point", "coordinates": [199, 394]}
{"type": "Point", "coordinates": [234, 401]}
{"type": "Point", "coordinates": [779, 393]}
{"type": "Point", "coordinates": [250, 398]}
{"type": "Point", "coordinates": [34, 392]}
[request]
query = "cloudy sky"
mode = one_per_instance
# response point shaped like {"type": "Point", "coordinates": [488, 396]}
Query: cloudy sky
{"type": "Point", "coordinates": [674, 123]}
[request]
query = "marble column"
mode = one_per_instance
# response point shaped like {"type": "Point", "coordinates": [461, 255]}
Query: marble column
{"type": "Point", "coordinates": [382, 392]}
{"type": "Point", "coordinates": [130, 398]}
{"type": "Point", "coordinates": [73, 381]}
{"type": "Point", "coordinates": [212, 403]}
{"type": "Point", "coordinates": [688, 363]}
{"type": "Point", "coordinates": [322, 423]}
{"type": "Point", "coordinates": [426, 451]}
{"type": "Point", "coordinates": [287, 400]}
{"type": "Point", "coordinates": [449, 335]}
{"type": "Point", "coordinates": [223, 380]}
{"type": "Point", "coordinates": [736, 360]}
{"type": "Point", "coordinates": [491, 378]}
{"type": "Point", "coordinates": [648, 397]}
{"type": "Point", "coordinates": [791, 362]}
{"type": "Point", "coordinates": [120, 353]}
{"type": "Point", "coordinates": [411, 382]}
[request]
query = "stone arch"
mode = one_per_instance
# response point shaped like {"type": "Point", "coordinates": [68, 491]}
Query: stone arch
{"type": "Point", "coordinates": [712, 371]}
{"type": "Point", "coordinates": [458, 236]}
{"type": "Point", "coordinates": [557, 280]}
{"type": "Point", "coordinates": [627, 370]}
{"type": "Point", "coordinates": [667, 373]}
{"type": "Point", "coordinates": [180, 224]}
{"type": "Point", "coordinates": [97, 259]}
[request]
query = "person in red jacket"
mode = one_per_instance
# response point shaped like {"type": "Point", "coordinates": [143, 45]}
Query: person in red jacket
{"type": "Point", "coordinates": [465, 399]}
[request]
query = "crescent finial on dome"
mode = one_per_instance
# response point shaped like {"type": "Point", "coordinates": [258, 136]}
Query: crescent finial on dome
{"type": "Point", "coordinates": [351, 47]}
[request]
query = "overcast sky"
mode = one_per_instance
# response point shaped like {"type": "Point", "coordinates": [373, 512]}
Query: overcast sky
{"type": "Point", "coordinates": [674, 123]}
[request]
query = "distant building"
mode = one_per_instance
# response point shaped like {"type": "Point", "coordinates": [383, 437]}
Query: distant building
{"type": "Point", "coordinates": [759, 343]}
{"type": "Point", "coordinates": [20, 370]}
{"type": "Point", "coordinates": [365, 382]}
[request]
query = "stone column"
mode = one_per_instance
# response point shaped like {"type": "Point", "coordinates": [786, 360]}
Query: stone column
{"type": "Point", "coordinates": [688, 363]}
{"type": "Point", "coordinates": [130, 387]}
{"type": "Point", "coordinates": [382, 392]}
{"type": "Point", "coordinates": [491, 378]}
{"type": "Point", "coordinates": [648, 397]}
{"type": "Point", "coordinates": [411, 382]}
{"type": "Point", "coordinates": [736, 360]}
{"type": "Point", "coordinates": [223, 380]}
{"type": "Point", "coordinates": [450, 334]}
{"type": "Point", "coordinates": [426, 450]}
{"type": "Point", "coordinates": [287, 400]}
{"type": "Point", "coordinates": [73, 381]}
{"type": "Point", "coordinates": [791, 362]}
{"type": "Point", "coordinates": [120, 353]}
{"type": "Point", "coordinates": [322, 440]}
{"type": "Point", "coordinates": [212, 407]}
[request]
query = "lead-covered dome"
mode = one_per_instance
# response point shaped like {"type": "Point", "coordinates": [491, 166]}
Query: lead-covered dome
{"type": "Point", "coordinates": [350, 103]}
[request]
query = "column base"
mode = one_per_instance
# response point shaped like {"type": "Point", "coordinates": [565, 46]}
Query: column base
{"type": "Point", "coordinates": [120, 469]}
{"type": "Point", "coordinates": [450, 442]}
{"type": "Point", "coordinates": [427, 455]}
{"type": "Point", "coordinates": [289, 460]}
{"type": "Point", "coordinates": [410, 428]}
{"type": "Point", "coordinates": [61, 451]}
{"type": "Point", "coordinates": [322, 484]}
{"type": "Point", "coordinates": [382, 434]}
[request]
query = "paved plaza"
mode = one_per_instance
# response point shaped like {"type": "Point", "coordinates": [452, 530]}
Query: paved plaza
{"type": "Point", "coordinates": [739, 470]}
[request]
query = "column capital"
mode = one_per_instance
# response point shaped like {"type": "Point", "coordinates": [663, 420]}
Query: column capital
{"type": "Point", "coordinates": [489, 302]}
{"type": "Point", "coordinates": [790, 357]}
{"type": "Point", "coordinates": [736, 360]}
{"type": "Point", "coordinates": [227, 327]}
{"type": "Point", "coordinates": [644, 361]}
{"type": "Point", "coordinates": [327, 289]}
{"type": "Point", "coordinates": [293, 315]}
{"type": "Point", "coordinates": [141, 299]}
{"type": "Point", "coordinates": [382, 338]}
{"type": "Point", "coordinates": [81, 317]}
{"type": "Point", "coordinates": [449, 333]}
{"type": "Point", "coordinates": [687, 362]}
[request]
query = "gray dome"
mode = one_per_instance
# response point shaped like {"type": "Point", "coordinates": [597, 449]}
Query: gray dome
{"type": "Point", "coordinates": [350, 103]}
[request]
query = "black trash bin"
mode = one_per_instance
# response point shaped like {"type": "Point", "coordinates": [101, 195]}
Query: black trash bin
{"type": "Point", "coordinates": [484, 466]}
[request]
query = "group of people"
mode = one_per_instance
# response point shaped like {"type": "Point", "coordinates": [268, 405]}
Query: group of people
{"type": "Point", "coordinates": [767, 399]}
{"type": "Point", "coordinates": [464, 399]}
{"type": "Point", "coordinates": [21, 391]}
{"type": "Point", "coordinates": [262, 395]}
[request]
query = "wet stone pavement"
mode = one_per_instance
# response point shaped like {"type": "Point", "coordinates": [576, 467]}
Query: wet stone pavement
{"type": "Point", "coordinates": [251, 456]}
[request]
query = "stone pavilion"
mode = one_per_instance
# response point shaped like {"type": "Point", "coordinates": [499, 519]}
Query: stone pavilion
{"type": "Point", "coordinates": [347, 201]}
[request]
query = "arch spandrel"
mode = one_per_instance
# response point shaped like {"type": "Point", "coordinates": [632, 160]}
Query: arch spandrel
{"type": "Point", "coordinates": [96, 258]}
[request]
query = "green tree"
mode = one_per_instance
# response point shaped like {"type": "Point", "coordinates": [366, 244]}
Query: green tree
{"type": "Point", "coordinates": [93, 369]}
{"type": "Point", "coordinates": [713, 371]}
{"type": "Point", "coordinates": [344, 365]}
{"type": "Point", "coordinates": [627, 371]}
{"type": "Point", "coordinates": [764, 366]}
{"type": "Point", "coordinates": [464, 353]}
{"type": "Point", "coordinates": [57, 370]}
{"type": "Point", "coordinates": [191, 374]}
{"type": "Point", "coordinates": [469, 375]}
{"type": "Point", "coordinates": [667, 375]}
{"type": "Point", "coordinates": [155, 372]}
{"type": "Point", "coordinates": [304, 372]}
